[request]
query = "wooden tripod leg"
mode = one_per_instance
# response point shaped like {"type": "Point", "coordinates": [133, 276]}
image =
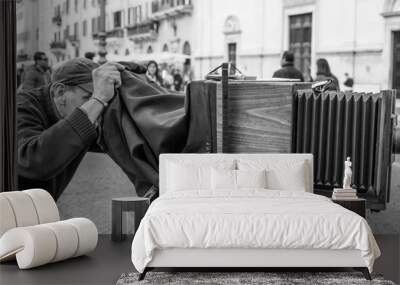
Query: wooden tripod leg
{"type": "Point", "coordinates": [143, 274]}
{"type": "Point", "coordinates": [364, 271]}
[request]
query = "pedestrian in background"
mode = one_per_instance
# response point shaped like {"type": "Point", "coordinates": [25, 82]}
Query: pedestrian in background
{"type": "Point", "coordinates": [178, 80]}
{"type": "Point", "coordinates": [153, 74]}
{"type": "Point", "coordinates": [89, 55]}
{"type": "Point", "coordinates": [348, 83]}
{"type": "Point", "coordinates": [166, 76]}
{"type": "Point", "coordinates": [288, 70]}
{"type": "Point", "coordinates": [38, 74]}
{"type": "Point", "coordinates": [187, 73]}
{"type": "Point", "coordinates": [324, 73]}
{"type": "Point", "coordinates": [20, 72]}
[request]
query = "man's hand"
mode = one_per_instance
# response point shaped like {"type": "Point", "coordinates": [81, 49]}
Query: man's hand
{"type": "Point", "coordinates": [105, 79]}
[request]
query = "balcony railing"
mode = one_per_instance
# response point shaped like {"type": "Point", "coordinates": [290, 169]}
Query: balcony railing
{"type": "Point", "coordinates": [22, 57]}
{"type": "Point", "coordinates": [171, 9]}
{"type": "Point", "coordinates": [144, 31]}
{"type": "Point", "coordinates": [115, 33]}
{"type": "Point", "coordinates": [57, 20]}
{"type": "Point", "coordinates": [58, 45]}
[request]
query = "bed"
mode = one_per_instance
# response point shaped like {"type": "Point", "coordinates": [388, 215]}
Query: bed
{"type": "Point", "coordinates": [247, 210]}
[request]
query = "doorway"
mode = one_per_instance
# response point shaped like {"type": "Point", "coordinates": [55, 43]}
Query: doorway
{"type": "Point", "coordinates": [396, 62]}
{"type": "Point", "coordinates": [300, 42]}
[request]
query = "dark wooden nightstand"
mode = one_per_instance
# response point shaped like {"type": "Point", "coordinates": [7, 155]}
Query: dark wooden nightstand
{"type": "Point", "coordinates": [355, 205]}
{"type": "Point", "coordinates": [138, 205]}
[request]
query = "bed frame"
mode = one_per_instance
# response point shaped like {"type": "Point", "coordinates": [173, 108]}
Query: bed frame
{"type": "Point", "coordinates": [242, 258]}
{"type": "Point", "coordinates": [256, 258]}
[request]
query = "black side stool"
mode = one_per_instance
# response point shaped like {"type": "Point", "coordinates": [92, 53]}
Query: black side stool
{"type": "Point", "coordinates": [138, 205]}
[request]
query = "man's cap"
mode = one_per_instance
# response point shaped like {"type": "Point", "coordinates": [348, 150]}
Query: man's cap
{"type": "Point", "coordinates": [76, 72]}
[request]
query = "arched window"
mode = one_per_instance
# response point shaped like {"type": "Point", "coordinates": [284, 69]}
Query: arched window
{"type": "Point", "coordinates": [127, 52]}
{"type": "Point", "coordinates": [165, 48]}
{"type": "Point", "coordinates": [149, 49]}
{"type": "Point", "coordinates": [186, 48]}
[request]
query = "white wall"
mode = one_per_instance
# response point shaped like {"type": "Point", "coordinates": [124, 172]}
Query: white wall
{"type": "Point", "coordinates": [350, 34]}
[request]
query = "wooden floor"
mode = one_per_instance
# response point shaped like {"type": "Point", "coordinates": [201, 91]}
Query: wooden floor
{"type": "Point", "coordinates": [110, 260]}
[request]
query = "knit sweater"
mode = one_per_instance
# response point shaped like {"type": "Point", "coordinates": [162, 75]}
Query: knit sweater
{"type": "Point", "coordinates": [49, 149]}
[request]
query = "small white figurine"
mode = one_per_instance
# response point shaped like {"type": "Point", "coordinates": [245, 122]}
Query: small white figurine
{"type": "Point", "coordinates": [348, 173]}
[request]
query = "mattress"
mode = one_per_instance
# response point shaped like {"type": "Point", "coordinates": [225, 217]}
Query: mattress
{"type": "Point", "coordinates": [251, 219]}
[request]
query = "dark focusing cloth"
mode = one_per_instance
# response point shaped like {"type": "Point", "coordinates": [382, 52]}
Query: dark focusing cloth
{"type": "Point", "coordinates": [144, 120]}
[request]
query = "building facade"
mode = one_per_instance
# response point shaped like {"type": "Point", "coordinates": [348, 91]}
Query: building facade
{"type": "Point", "coordinates": [27, 30]}
{"type": "Point", "coordinates": [360, 37]}
{"type": "Point", "coordinates": [70, 28]}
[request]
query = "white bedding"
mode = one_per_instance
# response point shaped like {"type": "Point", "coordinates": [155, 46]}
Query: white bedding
{"type": "Point", "coordinates": [250, 218]}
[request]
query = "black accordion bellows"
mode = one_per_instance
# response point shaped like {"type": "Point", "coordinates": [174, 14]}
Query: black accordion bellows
{"type": "Point", "coordinates": [336, 125]}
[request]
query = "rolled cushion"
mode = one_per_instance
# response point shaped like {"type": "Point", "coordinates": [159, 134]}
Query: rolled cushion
{"type": "Point", "coordinates": [26, 208]}
{"type": "Point", "coordinates": [32, 246]}
{"type": "Point", "coordinates": [23, 208]}
{"type": "Point", "coordinates": [87, 234]}
{"type": "Point", "coordinates": [40, 244]}
{"type": "Point", "coordinates": [7, 218]}
{"type": "Point", "coordinates": [45, 205]}
{"type": "Point", "coordinates": [67, 239]}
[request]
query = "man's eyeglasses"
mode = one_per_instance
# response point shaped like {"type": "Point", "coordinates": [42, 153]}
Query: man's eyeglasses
{"type": "Point", "coordinates": [45, 59]}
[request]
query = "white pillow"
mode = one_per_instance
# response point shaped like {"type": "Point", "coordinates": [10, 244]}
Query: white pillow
{"type": "Point", "coordinates": [283, 174]}
{"type": "Point", "coordinates": [223, 179]}
{"type": "Point", "coordinates": [227, 179]}
{"type": "Point", "coordinates": [251, 178]}
{"type": "Point", "coordinates": [183, 177]}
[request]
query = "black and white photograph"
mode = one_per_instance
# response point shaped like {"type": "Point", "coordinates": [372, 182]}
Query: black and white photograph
{"type": "Point", "coordinates": [199, 142]}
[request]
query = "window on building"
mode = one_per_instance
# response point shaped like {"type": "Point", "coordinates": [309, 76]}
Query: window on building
{"type": "Point", "coordinates": [66, 31]}
{"type": "Point", "coordinates": [232, 50]}
{"type": "Point", "coordinates": [130, 16]}
{"type": "Point", "coordinates": [135, 15]}
{"type": "Point", "coordinates": [149, 49]}
{"type": "Point", "coordinates": [165, 48]}
{"type": "Point", "coordinates": [93, 3]}
{"type": "Point", "coordinates": [396, 61]}
{"type": "Point", "coordinates": [175, 28]}
{"type": "Point", "coordinates": [84, 28]}
{"type": "Point", "coordinates": [67, 6]}
{"type": "Point", "coordinates": [76, 5]}
{"type": "Point", "coordinates": [186, 48]}
{"type": "Point", "coordinates": [76, 31]}
{"type": "Point", "coordinates": [300, 42]}
{"type": "Point", "coordinates": [84, 4]}
{"type": "Point", "coordinates": [93, 25]}
{"type": "Point", "coordinates": [118, 19]}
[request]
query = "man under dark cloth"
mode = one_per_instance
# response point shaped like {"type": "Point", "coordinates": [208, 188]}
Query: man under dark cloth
{"type": "Point", "coordinates": [56, 123]}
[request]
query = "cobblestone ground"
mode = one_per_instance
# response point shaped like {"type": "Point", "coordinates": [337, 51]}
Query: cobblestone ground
{"type": "Point", "coordinates": [99, 179]}
{"type": "Point", "coordinates": [388, 221]}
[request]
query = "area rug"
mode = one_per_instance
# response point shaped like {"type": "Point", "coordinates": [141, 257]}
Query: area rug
{"type": "Point", "coordinates": [243, 278]}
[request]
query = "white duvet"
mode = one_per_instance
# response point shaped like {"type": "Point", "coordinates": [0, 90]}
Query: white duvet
{"type": "Point", "coordinates": [250, 219]}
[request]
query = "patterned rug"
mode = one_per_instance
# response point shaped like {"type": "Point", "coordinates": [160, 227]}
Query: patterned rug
{"type": "Point", "coordinates": [243, 278]}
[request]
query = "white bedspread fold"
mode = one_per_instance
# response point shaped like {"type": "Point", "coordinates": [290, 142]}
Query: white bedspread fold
{"type": "Point", "coordinates": [250, 219]}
